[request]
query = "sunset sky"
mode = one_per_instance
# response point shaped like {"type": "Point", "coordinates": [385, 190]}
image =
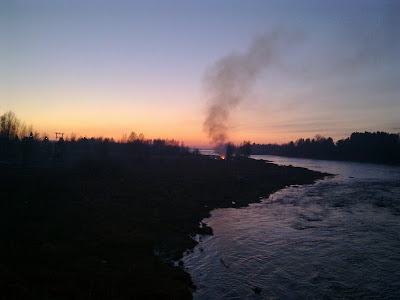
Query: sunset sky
{"type": "Point", "coordinates": [105, 68]}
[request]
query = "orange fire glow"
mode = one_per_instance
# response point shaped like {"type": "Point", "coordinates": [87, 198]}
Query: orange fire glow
{"type": "Point", "coordinates": [222, 157]}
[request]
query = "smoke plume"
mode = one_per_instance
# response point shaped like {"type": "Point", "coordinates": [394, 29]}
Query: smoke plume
{"type": "Point", "coordinates": [230, 79]}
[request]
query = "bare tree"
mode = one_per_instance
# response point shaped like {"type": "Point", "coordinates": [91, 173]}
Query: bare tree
{"type": "Point", "coordinates": [141, 138]}
{"type": "Point", "coordinates": [9, 125]}
{"type": "Point", "coordinates": [132, 137]}
{"type": "Point", "coordinates": [124, 138]}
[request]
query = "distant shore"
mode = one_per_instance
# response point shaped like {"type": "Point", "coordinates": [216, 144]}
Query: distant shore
{"type": "Point", "coordinates": [364, 147]}
{"type": "Point", "coordinates": [112, 227]}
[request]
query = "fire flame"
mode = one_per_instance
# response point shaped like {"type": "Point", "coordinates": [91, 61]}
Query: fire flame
{"type": "Point", "coordinates": [222, 157]}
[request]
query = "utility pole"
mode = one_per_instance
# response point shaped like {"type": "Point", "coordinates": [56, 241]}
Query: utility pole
{"type": "Point", "coordinates": [61, 134]}
{"type": "Point", "coordinates": [59, 147]}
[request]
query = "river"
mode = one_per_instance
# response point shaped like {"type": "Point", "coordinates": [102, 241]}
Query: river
{"type": "Point", "coordinates": [338, 238]}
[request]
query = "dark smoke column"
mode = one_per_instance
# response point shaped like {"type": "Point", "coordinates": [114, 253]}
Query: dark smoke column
{"type": "Point", "coordinates": [230, 79]}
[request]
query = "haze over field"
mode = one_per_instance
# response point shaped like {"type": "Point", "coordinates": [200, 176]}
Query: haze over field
{"type": "Point", "coordinates": [277, 71]}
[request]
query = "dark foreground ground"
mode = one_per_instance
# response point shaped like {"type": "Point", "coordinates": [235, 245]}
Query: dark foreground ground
{"type": "Point", "coordinates": [111, 228]}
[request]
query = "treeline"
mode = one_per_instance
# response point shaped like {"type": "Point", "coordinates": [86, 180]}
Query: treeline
{"type": "Point", "coordinates": [16, 145]}
{"type": "Point", "coordinates": [242, 150]}
{"type": "Point", "coordinates": [374, 147]}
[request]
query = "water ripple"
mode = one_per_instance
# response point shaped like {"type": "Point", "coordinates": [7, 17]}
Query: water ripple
{"type": "Point", "coordinates": [335, 239]}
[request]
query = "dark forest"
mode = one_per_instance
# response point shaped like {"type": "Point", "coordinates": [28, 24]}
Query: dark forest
{"type": "Point", "coordinates": [376, 147]}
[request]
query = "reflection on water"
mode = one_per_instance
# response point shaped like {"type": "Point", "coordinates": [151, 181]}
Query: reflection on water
{"type": "Point", "coordinates": [338, 238]}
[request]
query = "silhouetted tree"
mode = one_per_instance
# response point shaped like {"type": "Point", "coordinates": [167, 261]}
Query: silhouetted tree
{"type": "Point", "coordinates": [132, 137]}
{"type": "Point", "coordinates": [245, 149]}
{"type": "Point", "coordinates": [141, 138]}
{"type": "Point", "coordinates": [230, 150]}
{"type": "Point", "coordinates": [9, 125]}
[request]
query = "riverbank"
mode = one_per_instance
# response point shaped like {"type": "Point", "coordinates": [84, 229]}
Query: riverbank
{"type": "Point", "coordinates": [110, 228]}
{"type": "Point", "coordinates": [393, 163]}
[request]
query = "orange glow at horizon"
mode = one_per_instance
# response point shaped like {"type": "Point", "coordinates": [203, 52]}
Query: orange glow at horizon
{"type": "Point", "coordinates": [192, 136]}
{"type": "Point", "coordinates": [180, 122]}
{"type": "Point", "coordinates": [141, 72]}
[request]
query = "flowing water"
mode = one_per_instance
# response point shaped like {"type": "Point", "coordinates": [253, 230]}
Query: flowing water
{"type": "Point", "coordinates": [338, 238]}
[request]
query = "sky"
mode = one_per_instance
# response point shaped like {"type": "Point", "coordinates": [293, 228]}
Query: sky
{"type": "Point", "coordinates": [105, 68]}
